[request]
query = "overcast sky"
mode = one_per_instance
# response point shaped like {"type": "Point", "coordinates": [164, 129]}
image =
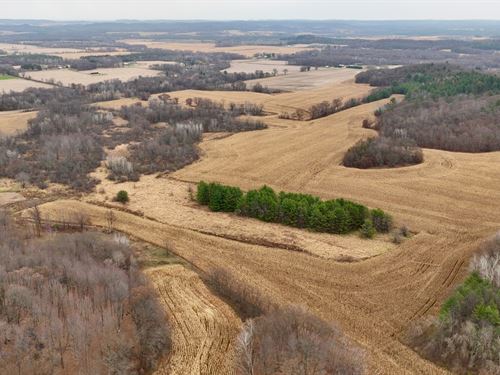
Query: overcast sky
{"type": "Point", "coordinates": [248, 9]}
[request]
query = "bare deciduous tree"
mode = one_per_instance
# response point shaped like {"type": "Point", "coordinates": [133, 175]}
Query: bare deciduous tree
{"type": "Point", "coordinates": [36, 217]}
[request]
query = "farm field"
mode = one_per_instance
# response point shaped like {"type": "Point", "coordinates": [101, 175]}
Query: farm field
{"type": "Point", "coordinates": [13, 121]}
{"type": "Point", "coordinates": [288, 101]}
{"type": "Point", "coordinates": [273, 103]}
{"type": "Point", "coordinates": [68, 77]}
{"type": "Point", "coordinates": [7, 197]}
{"type": "Point", "coordinates": [81, 168]}
{"type": "Point", "coordinates": [267, 66]}
{"type": "Point", "coordinates": [245, 50]}
{"type": "Point", "coordinates": [168, 201]}
{"type": "Point", "coordinates": [68, 53]}
{"type": "Point", "coordinates": [309, 156]}
{"type": "Point", "coordinates": [204, 326]}
{"type": "Point", "coordinates": [28, 48]}
{"type": "Point", "coordinates": [19, 84]}
{"type": "Point", "coordinates": [375, 300]}
{"type": "Point", "coordinates": [379, 296]}
{"type": "Point", "coordinates": [306, 80]}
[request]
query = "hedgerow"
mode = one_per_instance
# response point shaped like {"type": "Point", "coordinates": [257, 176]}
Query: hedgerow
{"type": "Point", "coordinates": [297, 210]}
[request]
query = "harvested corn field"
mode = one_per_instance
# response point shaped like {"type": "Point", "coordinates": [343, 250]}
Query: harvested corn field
{"type": "Point", "coordinates": [204, 327]}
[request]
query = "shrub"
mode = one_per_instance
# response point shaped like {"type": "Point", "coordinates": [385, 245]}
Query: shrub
{"type": "Point", "coordinates": [396, 237]}
{"type": "Point", "coordinates": [404, 231]}
{"type": "Point", "coordinates": [367, 229]}
{"type": "Point", "coordinates": [122, 197]}
{"type": "Point", "coordinates": [381, 221]}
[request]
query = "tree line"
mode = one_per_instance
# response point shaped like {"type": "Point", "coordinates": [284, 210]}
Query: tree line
{"type": "Point", "coordinates": [322, 109]}
{"type": "Point", "coordinates": [375, 53]}
{"type": "Point", "coordinates": [298, 210]}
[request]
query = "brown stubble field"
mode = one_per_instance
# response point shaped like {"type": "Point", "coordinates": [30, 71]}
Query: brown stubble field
{"type": "Point", "coordinates": [323, 78]}
{"type": "Point", "coordinates": [277, 103]}
{"type": "Point", "coordinates": [267, 66]}
{"type": "Point", "coordinates": [450, 202]}
{"type": "Point", "coordinates": [168, 201]}
{"type": "Point", "coordinates": [68, 77]}
{"type": "Point", "coordinates": [19, 84]}
{"type": "Point", "coordinates": [14, 121]}
{"type": "Point", "coordinates": [204, 327]}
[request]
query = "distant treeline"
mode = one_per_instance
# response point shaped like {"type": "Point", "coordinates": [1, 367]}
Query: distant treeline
{"type": "Point", "coordinates": [455, 45]}
{"type": "Point", "coordinates": [434, 80]}
{"type": "Point", "coordinates": [298, 210]}
{"type": "Point", "coordinates": [396, 52]}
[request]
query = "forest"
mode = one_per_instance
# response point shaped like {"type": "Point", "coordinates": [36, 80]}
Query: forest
{"type": "Point", "coordinates": [65, 143]}
{"type": "Point", "coordinates": [446, 107]}
{"type": "Point", "coordinates": [75, 302]}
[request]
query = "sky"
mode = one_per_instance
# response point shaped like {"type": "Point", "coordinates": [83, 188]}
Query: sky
{"type": "Point", "coordinates": [249, 9]}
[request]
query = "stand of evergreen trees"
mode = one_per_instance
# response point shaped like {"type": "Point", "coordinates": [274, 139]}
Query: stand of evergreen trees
{"type": "Point", "coordinates": [297, 210]}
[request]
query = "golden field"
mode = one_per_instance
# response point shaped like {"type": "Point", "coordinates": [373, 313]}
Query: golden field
{"type": "Point", "coordinates": [267, 66]}
{"type": "Point", "coordinates": [13, 121]}
{"type": "Point", "coordinates": [168, 201]}
{"type": "Point", "coordinates": [296, 81]}
{"type": "Point", "coordinates": [18, 85]}
{"type": "Point", "coordinates": [67, 76]}
{"type": "Point", "coordinates": [204, 326]}
{"type": "Point", "coordinates": [449, 202]}
{"type": "Point", "coordinates": [67, 53]}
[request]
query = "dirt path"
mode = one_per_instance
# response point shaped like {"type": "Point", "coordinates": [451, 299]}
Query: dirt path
{"type": "Point", "coordinates": [204, 327]}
